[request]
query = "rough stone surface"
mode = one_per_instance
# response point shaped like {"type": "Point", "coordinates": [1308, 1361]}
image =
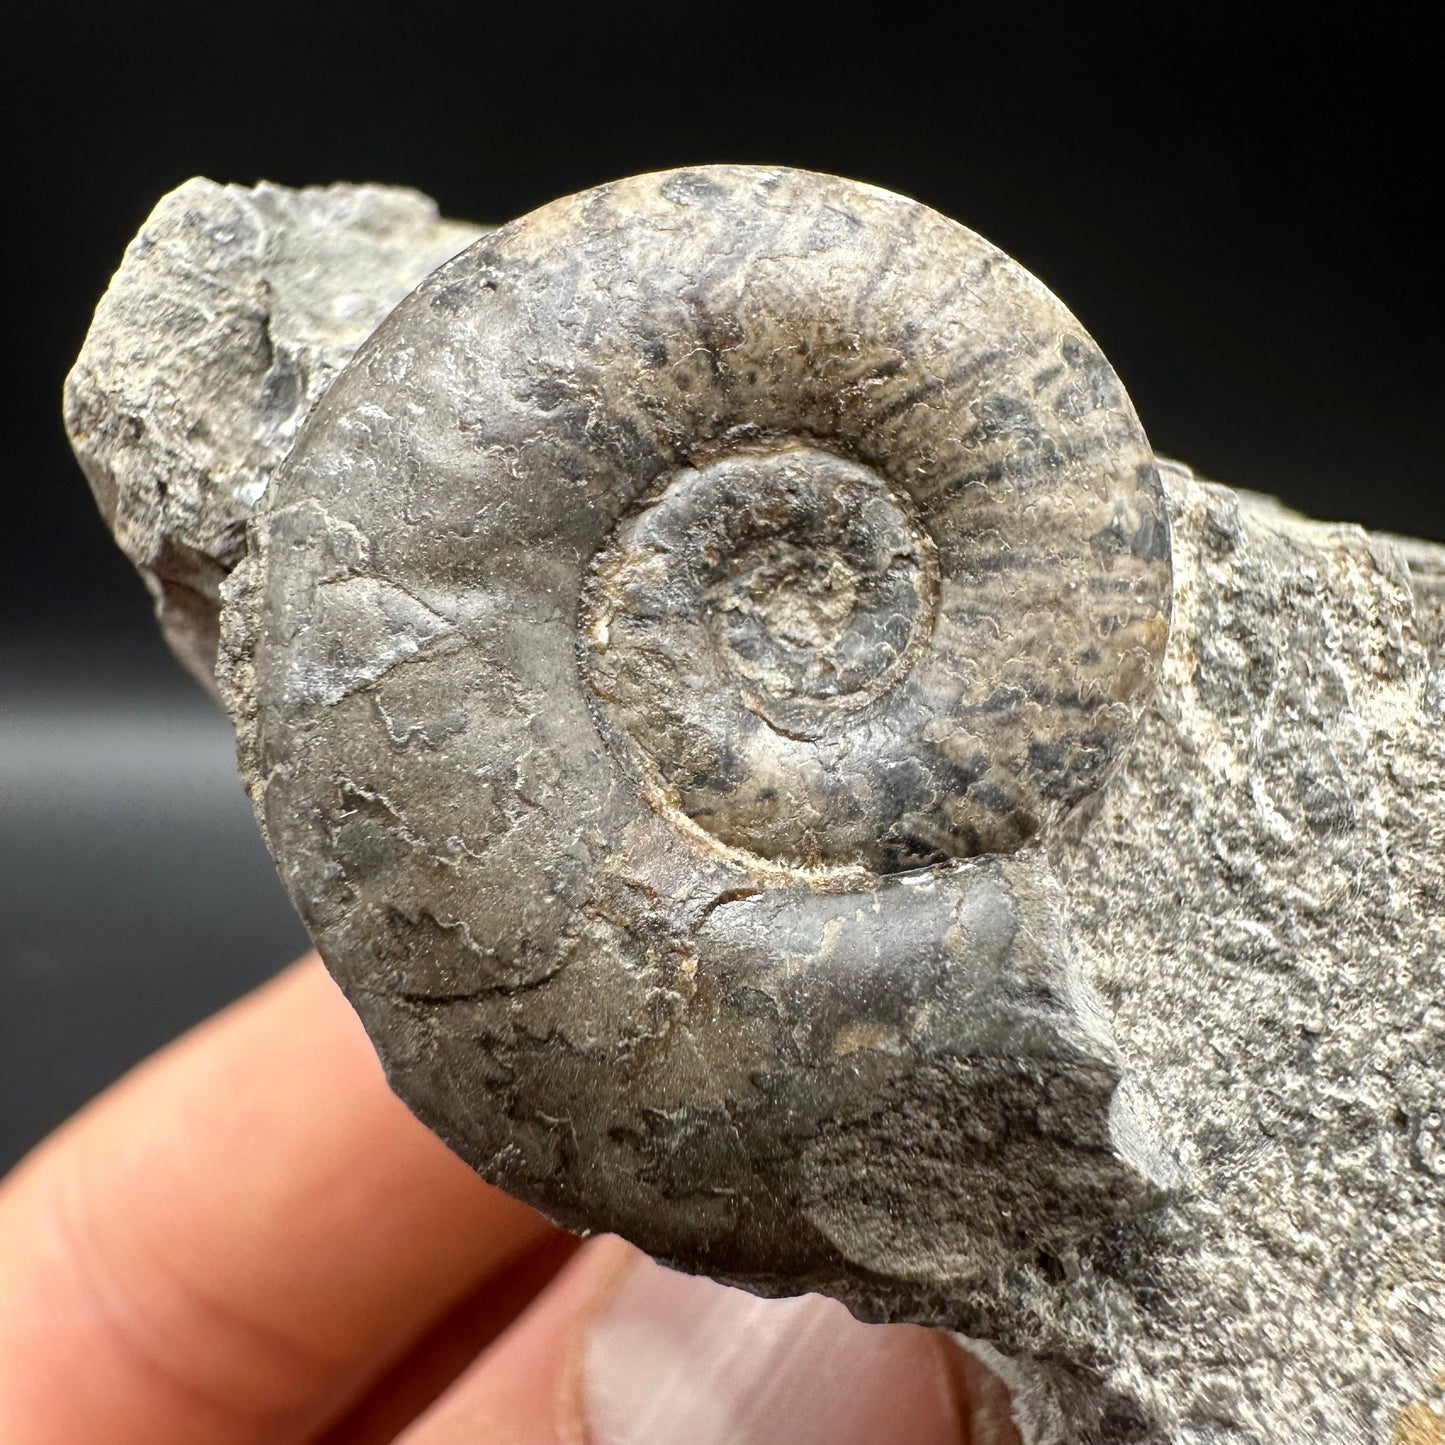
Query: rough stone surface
{"type": "Point", "coordinates": [1137, 1079]}
{"type": "Point", "coordinates": [232, 312]}
{"type": "Point", "coordinates": [1259, 898]}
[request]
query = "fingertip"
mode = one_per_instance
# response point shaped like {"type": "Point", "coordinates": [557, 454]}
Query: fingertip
{"type": "Point", "coordinates": [528, 1388]}
{"type": "Point", "coordinates": [620, 1351]}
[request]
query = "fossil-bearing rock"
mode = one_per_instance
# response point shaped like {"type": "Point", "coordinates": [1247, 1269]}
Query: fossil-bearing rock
{"type": "Point", "coordinates": [784, 773]}
{"type": "Point", "coordinates": [232, 312]}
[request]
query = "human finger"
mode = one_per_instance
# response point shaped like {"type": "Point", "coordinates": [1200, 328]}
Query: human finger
{"type": "Point", "coordinates": [449, 1348]}
{"type": "Point", "coordinates": [236, 1239]}
{"type": "Point", "coordinates": [619, 1351]}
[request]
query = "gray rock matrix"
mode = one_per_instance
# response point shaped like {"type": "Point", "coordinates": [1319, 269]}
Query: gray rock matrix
{"type": "Point", "coordinates": [232, 312]}
{"type": "Point", "coordinates": [1123, 1057]}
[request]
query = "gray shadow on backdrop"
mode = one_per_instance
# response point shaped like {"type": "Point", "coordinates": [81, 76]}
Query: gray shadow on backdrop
{"type": "Point", "coordinates": [135, 892]}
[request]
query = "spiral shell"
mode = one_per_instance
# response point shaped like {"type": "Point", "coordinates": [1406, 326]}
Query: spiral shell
{"type": "Point", "coordinates": [670, 633]}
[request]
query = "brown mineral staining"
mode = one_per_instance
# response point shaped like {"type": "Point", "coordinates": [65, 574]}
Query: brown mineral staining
{"type": "Point", "coordinates": [1422, 1423]}
{"type": "Point", "coordinates": [1419, 1425]}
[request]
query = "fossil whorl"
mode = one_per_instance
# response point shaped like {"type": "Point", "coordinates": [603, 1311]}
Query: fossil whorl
{"type": "Point", "coordinates": [670, 635]}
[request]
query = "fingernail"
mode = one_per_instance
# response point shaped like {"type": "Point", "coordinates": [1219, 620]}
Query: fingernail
{"type": "Point", "coordinates": [676, 1359]}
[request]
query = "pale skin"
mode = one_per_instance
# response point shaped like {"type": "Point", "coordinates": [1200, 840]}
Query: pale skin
{"type": "Point", "coordinates": [250, 1241]}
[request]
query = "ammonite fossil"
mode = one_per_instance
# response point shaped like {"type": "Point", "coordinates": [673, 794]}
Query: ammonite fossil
{"type": "Point", "coordinates": [673, 630]}
{"type": "Point", "coordinates": [705, 673]}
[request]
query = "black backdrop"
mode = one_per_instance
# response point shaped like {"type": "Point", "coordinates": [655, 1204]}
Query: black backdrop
{"type": "Point", "coordinates": [1240, 210]}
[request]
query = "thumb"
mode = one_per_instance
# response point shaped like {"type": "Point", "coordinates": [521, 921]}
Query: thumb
{"type": "Point", "coordinates": [673, 1358]}
{"type": "Point", "coordinates": [619, 1351]}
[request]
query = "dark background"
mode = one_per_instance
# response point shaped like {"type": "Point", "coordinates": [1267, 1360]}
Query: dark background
{"type": "Point", "coordinates": [1240, 210]}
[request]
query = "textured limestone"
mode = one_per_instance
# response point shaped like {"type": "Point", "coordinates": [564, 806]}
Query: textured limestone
{"type": "Point", "coordinates": [232, 312]}
{"type": "Point", "coordinates": [1260, 900]}
{"type": "Point", "coordinates": [1144, 1099]}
